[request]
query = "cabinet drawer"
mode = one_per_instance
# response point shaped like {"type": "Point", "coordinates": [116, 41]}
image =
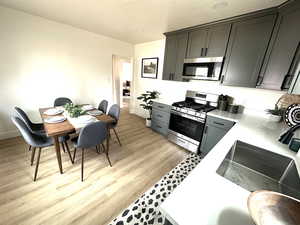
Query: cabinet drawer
{"type": "Point", "coordinates": [159, 127]}
{"type": "Point", "coordinates": [161, 115]}
{"type": "Point", "coordinates": [161, 106]}
{"type": "Point", "coordinates": [218, 122]}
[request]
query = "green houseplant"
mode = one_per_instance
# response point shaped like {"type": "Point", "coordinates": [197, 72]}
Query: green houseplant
{"type": "Point", "coordinates": [147, 99]}
{"type": "Point", "coordinates": [74, 111]}
{"type": "Point", "coordinates": [275, 115]}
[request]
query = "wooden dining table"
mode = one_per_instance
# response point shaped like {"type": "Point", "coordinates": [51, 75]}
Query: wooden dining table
{"type": "Point", "coordinates": [55, 130]}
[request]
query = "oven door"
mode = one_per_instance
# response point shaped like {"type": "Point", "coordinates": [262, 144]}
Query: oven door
{"type": "Point", "coordinates": [187, 126]}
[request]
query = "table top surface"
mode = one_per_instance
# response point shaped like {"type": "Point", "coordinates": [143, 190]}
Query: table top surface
{"type": "Point", "coordinates": [58, 129]}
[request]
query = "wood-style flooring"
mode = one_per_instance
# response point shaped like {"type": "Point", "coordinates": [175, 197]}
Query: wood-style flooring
{"type": "Point", "coordinates": [55, 198]}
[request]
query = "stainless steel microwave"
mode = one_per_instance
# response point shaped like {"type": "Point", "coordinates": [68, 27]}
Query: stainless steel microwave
{"type": "Point", "coordinates": [205, 68]}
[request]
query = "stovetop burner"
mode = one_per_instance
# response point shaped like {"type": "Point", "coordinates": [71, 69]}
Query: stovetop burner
{"type": "Point", "coordinates": [194, 106]}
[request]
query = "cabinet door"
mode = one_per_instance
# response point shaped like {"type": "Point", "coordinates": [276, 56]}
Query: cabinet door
{"type": "Point", "coordinates": [182, 40]}
{"type": "Point", "coordinates": [246, 50]}
{"type": "Point", "coordinates": [217, 40]}
{"type": "Point", "coordinates": [212, 135]}
{"type": "Point", "coordinates": [197, 43]}
{"type": "Point", "coordinates": [170, 58]}
{"type": "Point", "coordinates": [283, 50]}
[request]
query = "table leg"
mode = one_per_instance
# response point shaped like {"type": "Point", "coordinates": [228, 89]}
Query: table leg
{"type": "Point", "coordinates": [58, 155]}
{"type": "Point", "coordinates": [107, 145]}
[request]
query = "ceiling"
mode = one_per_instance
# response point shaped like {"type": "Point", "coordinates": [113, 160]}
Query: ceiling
{"type": "Point", "coordinates": [137, 21]}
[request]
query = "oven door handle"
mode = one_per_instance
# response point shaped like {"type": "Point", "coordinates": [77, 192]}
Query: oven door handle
{"type": "Point", "coordinates": [188, 116]}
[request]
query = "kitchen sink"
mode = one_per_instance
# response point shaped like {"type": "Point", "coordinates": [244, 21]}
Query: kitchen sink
{"type": "Point", "coordinates": [255, 168]}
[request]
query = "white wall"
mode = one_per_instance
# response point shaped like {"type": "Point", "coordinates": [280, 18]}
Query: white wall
{"type": "Point", "coordinates": [251, 98]}
{"type": "Point", "coordinates": [41, 60]}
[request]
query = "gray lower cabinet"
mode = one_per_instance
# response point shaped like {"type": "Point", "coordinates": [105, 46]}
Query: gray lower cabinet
{"type": "Point", "coordinates": [175, 51]}
{"type": "Point", "coordinates": [160, 118]}
{"type": "Point", "coordinates": [215, 129]}
{"type": "Point", "coordinates": [286, 39]}
{"type": "Point", "coordinates": [247, 47]}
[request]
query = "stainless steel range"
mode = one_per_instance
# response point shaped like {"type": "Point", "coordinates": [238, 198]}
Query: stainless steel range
{"type": "Point", "coordinates": [188, 117]}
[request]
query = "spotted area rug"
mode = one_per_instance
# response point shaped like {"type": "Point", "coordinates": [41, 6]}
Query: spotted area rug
{"type": "Point", "coordinates": [145, 209]}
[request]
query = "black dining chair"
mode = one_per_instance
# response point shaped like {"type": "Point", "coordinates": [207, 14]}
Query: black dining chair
{"type": "Point", "coordinates": [35, 140]}
{"type": "Point", "coordinates": [114, 112]}
{"type": "Point", "coordinates": [38, 128]}
{"type": "Point", "coordinates": [103, 106]}
{"type": "Point", "coordinates": [62, 101]}
{"type": "Point", "coordinates": [92, 135]}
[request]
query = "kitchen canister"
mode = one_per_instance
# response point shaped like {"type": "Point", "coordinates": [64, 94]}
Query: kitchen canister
{"type": "Point", "coordinates": [233, 109]}
{"type": "Point", "coordinates": [223, 102]}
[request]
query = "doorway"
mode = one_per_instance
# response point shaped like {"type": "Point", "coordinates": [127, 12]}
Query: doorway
{"type": "Point", "coordinates": [122, 80]}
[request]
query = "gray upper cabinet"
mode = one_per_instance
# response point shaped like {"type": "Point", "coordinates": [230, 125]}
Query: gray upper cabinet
{"type": "Point", "coordinates": [170, 57]}
{"type": "Point", "coordinates": [208, 42]}
{"type": "Point", "coordinates": [197, 43]}
{"type": "Point", "coordinates": [182, 40]}
{"type": "Point", "coordinates": [247, 47]}
{"type": "Point", "coordinates": [283, 49]}
{"type": "Point", "coordinates": [175, 52]}
{"type": "Point", "coordinates": [217, 40]}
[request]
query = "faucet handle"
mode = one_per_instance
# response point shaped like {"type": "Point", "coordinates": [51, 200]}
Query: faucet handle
{"type": "Point", "coordinates": [286, 137]}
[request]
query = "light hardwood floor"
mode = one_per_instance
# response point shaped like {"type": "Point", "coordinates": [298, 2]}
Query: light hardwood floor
{"type": "Point", "coordinates": [63, 199]}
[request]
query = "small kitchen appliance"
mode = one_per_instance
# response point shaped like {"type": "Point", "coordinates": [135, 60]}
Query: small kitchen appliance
{"type": "Point", "coordinates": [205, 68]}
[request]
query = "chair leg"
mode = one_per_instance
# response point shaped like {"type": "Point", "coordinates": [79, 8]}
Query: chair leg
{"type": "Point", "coordinates": [37, 164]}
{"type": "Point", "coordinates": [74, 154]}
{"type": "Point", "coordinates": [97, 149]}
{"type": "Point", "coordinates": [29, 149]}
{"type": "Point", "coordinates": [82, 159]}
{"type": "Point", "coordinates": [107, 150]}
{"type": "Point", "coordinates": [103, 147]}
{"type": "Point", "coordinates": [117, 136]}
{"type": "Point", "coordinates": [63, 147]}
{"type": "Point", "coordinates": [32, 155]}
{"type": "Point", "coordinates": [69, 153]}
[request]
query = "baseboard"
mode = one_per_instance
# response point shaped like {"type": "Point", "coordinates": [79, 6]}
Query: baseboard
{"type": "Point", "coordinates": [9, 134]}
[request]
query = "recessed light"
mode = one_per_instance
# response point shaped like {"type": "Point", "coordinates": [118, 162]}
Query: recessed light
{"type": "Point", "coordinates": [220, 5]}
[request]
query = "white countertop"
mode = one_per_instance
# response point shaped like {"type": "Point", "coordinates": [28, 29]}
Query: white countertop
{"type": "Point", "coordinates": [206, 198]}
{"type": "Point", "coordinates": [166, 101]}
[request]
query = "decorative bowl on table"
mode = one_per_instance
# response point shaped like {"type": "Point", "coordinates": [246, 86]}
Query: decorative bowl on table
{"type": "Point", "coordinates": [87, 107]}
{"type": "Point", "coordinates": [95, 112]}
{"type": "Point", "coordinates": [55, 119]}
{"type": "Point", "coordinates": [53, 112]}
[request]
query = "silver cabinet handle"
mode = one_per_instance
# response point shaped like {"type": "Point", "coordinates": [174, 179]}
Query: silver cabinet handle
{"type": "Point", "coordinates": [205, 129]}
{"type": "Point", "coordinates": [222, 124]}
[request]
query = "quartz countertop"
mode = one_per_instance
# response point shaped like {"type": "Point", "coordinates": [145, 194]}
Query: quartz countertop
{"type": "Point", "coordinates": [206, 198]}
{"type": "Point", "coordinates": [166, 101]}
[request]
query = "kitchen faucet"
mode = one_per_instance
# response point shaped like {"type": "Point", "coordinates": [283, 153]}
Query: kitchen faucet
{"type": "Point", "coordinates": [286, 136]}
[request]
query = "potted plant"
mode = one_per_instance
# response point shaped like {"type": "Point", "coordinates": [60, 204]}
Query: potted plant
{"type": "Point", "coordinates": [275, 115]}
{"type": "Point", "coordinates": [147, 103]}
{"type": "Point", "coordinates": [74, 111]}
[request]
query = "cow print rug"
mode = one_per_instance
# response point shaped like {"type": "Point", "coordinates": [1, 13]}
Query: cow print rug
{"type": "Point", "coordinates": [145, 209]}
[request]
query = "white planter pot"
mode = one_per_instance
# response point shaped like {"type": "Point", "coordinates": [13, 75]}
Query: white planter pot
{"type": "Point", "coordinates": [148, 123]}
{"type": "Point", "coordinates": [274, 118]}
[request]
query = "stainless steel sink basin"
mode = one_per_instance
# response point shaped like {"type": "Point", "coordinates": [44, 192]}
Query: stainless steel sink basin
{"type": "Point", "coordinates": [254, 169]}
